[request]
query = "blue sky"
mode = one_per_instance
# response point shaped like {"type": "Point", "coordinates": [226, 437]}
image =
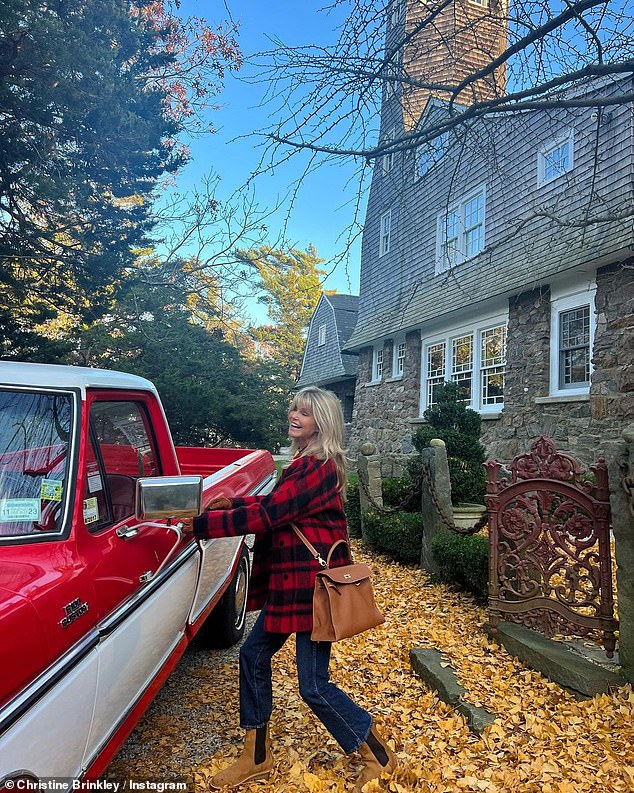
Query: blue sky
{"type": "Point", "coordinates": [323, 208]}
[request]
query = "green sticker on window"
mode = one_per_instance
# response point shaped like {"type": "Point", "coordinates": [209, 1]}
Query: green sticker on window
{"type": "Point", "coordinates": [51, 490]}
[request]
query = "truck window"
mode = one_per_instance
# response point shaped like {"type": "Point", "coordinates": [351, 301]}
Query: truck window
{"type": "Point", "coordinates": [35, 438]}
{"type": "Point", "coordinates": [121, 450]}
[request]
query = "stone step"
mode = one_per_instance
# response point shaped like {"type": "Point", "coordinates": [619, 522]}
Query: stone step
{"type": "Point", "coordinates": [567, 663]}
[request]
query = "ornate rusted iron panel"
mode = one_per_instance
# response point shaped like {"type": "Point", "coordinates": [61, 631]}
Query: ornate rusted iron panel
{"type": "Point", "coordinates": [549, 551]}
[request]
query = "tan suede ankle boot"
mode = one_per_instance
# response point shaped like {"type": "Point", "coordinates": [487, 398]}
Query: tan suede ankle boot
{"type": "Point", "coordinates": [379, 759]}
{"type": "Point", "coordinates": [255, 762]}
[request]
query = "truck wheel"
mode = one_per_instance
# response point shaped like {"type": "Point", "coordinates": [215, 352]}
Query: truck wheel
{"type": "Point", "coordinates": [225, 625]}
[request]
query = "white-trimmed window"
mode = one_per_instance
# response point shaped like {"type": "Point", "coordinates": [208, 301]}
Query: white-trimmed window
{"type": "Point", "coordinates": [474, 358]}
{"type": "Point", "coordinates": [460, 231]}
{"type": "Point", "coordinates": [386, 233]}
{"type": "Point", "coordinates": [572, 326]}
{"type": "Point", "coordinates": [397, 12]}
{"type": "Point", "coordinates": [398, 359]}
{"type": "Point", "coordinates": [428, 154]}
{"type": "Point", "coordinates": [387, 160]}
{"type": "Point", "coordinates": [321, 335]}
{"type": "Point", "coordinates": [555, 159]}
{"type": "Point", "coordinates": [377, 364]}
{"type": "Point", "coordinates": [392, 75]}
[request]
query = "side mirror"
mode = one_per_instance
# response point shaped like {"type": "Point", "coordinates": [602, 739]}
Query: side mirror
{"type": "Point", "coordinates": [168, 497]}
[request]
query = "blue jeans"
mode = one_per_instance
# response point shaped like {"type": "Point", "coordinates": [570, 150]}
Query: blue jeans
{"type": "Point", "coordinates": [348, 723]}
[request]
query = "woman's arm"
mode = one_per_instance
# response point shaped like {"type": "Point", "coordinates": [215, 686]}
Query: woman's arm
{"type": "Point", "coordinates": [308, 486]}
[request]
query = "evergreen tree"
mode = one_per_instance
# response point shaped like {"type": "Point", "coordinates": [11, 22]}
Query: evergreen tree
{"type": "Point", "coordinates": [212, 393]}
{"type": "Point", "coordinates": [459, 427]}
{"type": "Point", "coordinates": [89, 124]}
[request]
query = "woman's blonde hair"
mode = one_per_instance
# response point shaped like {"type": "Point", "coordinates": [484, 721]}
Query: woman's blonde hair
{"type": "Point", "coordinates": [327, 444]}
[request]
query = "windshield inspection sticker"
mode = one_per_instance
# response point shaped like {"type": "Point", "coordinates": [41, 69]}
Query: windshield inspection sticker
{"type": "Point", "coordinates": [91, 510]}
{"type": "Point", "coordinates": [19, 509]}
{"type": "Point", "coordinates": [51, 490]}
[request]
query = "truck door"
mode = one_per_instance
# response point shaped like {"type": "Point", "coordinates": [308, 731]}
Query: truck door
{"type": "Point", "coordinates": [142, 615]}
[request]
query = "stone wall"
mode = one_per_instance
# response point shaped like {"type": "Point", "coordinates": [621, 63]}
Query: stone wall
{"type": "Point", "coordinates": [344, 389]}
{"type": "Point", "coordinates": [590, 427]}
{"type": "Point", "coordinates": [383, 412]}
{"type": "Point", "coordinates": [386, 414]}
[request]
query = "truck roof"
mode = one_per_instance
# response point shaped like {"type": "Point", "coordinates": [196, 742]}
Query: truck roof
{"type": "Point", "coordinates": [57, 376]}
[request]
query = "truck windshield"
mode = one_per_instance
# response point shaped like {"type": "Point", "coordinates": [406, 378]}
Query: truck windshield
{"type": "Point", "coordinates": [35, 433]}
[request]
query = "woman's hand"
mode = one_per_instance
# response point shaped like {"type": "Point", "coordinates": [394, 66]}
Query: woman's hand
{"type": "Point", "coordinates": [219, 502]}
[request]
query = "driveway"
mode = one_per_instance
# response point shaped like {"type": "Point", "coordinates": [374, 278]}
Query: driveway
{"type": "Point", "coordinates": [543, 739]}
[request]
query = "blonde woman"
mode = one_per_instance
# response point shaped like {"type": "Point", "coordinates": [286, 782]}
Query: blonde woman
{"type": "Point", "coordinates": [310, 494]}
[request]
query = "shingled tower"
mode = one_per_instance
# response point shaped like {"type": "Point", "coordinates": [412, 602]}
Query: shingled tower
{"type": "Point", "coordinates": [443, 44]}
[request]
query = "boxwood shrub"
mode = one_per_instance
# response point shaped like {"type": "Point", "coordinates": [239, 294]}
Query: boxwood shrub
{"type": "Point", "coordinates": [397, 492]}
{"type": "Point", "coordinates": [463, 560]}
{"type": "Point", "coordinates": [399, 535]}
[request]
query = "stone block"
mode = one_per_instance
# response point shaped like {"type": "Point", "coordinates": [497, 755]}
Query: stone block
{"type": "Point", "coordinates": [557, 661]}
{"type": "Point", "coordinates": [439, 676]}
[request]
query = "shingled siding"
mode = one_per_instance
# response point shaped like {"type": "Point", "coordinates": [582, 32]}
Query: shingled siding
{"type": "Point", "coordinates": [532, 232]}
{"type": "Point", "coordinates": [589, 428]}
{"type": "Point", "coordinates": [321, 361]}
{"type": "Point", "coordinates": [463, 39]}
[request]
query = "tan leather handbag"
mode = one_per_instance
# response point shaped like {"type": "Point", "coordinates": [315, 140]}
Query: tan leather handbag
{"type": "Point", "coordinates": [343, 600]}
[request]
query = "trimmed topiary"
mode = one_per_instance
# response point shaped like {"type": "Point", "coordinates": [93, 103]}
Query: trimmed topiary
{"type": "Point", "coordinates": [459, 427]}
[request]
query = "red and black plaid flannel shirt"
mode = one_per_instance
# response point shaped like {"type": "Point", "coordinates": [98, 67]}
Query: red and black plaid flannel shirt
{"type": "Point", "coordinates": [284, 571]}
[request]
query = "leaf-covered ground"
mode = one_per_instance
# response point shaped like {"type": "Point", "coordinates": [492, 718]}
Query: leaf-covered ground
{"type": "Point", "coordinates": [543, 741]}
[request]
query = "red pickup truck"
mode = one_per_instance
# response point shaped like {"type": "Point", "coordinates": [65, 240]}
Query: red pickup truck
{"type": "Point", "coordinates": [100, 590]}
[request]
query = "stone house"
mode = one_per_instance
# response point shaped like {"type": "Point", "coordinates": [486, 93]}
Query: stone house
{"type": "Point", "coordinates": [499, 255]}
{"type": "Point", "coordinates": [325, 364]}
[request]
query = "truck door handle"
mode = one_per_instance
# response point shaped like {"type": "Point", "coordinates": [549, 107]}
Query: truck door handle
{"type": "Point", "coordinates": [148, 575]}
{"type": "Point", "coordinates": [125, 532]}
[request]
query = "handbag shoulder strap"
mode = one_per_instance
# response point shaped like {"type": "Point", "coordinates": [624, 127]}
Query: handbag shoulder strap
{"type": "Point", "coordinates": [316, 555]}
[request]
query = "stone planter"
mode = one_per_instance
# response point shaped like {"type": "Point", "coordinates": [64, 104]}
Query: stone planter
{"type": "Point", "coordinates": [467, 515]}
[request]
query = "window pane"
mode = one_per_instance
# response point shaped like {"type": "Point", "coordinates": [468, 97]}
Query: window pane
{"type": "Point", "coordinates": [35, 434]}
{"type": "Point", "coordinates": [474, 211]}
{"type": "Point", "coordinates": [556, 161]}
{"type": "Point", "coordinates": [123, 438]}
{"type": "Point", "coordinates": [473, 241]}
{"type": "Point", "coordinates": [575, 366]}
{"type": "Point", "coordinates": [386, 224]}
{"type": "Point", "coordinates": [435, 370]}
{"type": "Point", "coordinates": [378, 365]}
{"type": "Point", "coordinates": [493, 386]}
{"type": "Point", "coordinates": [432, 387]}
{"type": "Point", "coordinates": [575, 327]}
{"type": "Point", "coordinates": [453, 224]}
{"type": "Point", "coordinates": [462, 354]}
{"type": "Point", "coordinates": [400, 358]}
{"type": "Point", "coordinates": [574, 347]}
{"type": "Point", "coordinates": [464, 386]}
{"type": "Point", "coordinates": [493, 346]}
{"type": "Point", "coordinates": [436, 360]}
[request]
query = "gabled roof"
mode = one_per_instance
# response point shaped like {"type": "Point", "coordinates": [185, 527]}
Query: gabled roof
{"type": "Point", "coordinates": [345, 308]}
{"type": "Point", "coordinates": [327, 363]}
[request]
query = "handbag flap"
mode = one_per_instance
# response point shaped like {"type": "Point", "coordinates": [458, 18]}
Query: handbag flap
{"type": "Point", "coordinates": [348, 574]}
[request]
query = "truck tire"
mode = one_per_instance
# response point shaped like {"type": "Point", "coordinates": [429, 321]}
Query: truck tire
{"type": "Point", "coordinates": [225, 625]}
